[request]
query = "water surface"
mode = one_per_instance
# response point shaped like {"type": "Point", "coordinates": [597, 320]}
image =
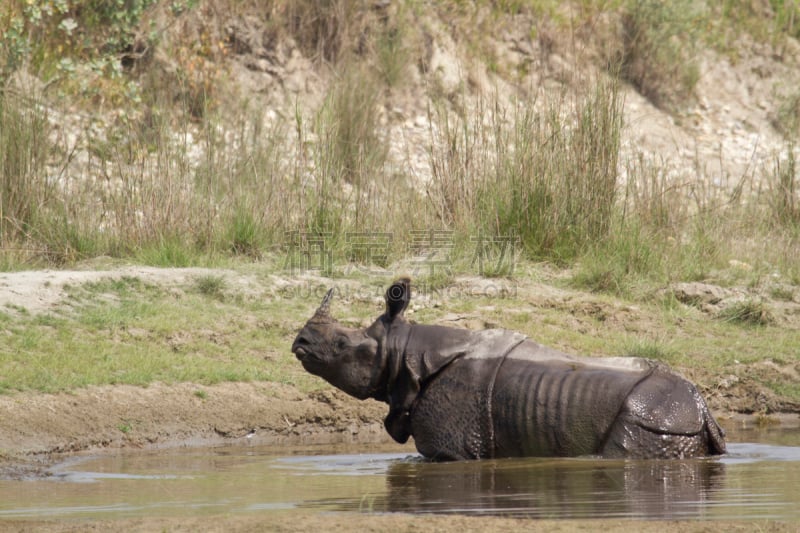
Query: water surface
{"type": "Point", "coordinates": [756, 480]}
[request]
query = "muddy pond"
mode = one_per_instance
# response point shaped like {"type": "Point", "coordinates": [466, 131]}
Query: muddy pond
{"type": "Point", "coordinates": [757, 479]}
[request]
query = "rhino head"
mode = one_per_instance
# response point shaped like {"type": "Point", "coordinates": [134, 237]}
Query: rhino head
{"type": "Point", "coordinates": [351, 359]}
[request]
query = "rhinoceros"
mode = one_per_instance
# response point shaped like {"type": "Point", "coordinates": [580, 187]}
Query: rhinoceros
{"type": "Point", "coordinates": [465, 394]}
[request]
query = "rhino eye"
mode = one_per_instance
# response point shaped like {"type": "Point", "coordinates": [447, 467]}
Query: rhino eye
{"type": "Point", "coordinates": [341, 342]}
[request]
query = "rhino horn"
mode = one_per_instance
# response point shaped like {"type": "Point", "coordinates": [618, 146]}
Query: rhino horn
{"type": "Point", "coordinates": [323, 312]}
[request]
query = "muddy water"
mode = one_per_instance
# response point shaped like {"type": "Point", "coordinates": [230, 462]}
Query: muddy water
{"type": "Point", "coordinates": [758, 479]}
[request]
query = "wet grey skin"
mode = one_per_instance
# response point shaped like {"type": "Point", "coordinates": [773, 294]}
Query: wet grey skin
{"type": "Point", "coordinates": [466, 394]}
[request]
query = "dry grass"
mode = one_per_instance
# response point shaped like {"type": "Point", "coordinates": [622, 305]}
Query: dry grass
{"type": "Point", "coordinates": [543, 171]}
{"type": "Point", "coordinates": [178, 179]}
{"type": "Point", "coordinates": [25, 188]}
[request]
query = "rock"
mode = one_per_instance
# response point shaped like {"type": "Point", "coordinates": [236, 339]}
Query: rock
{"type": "Point", "coordinates": [704, 296]}
{"type": "Point", "coordinates": [740, 265]}
{"type": "Point", "coordinates": [445, 67]}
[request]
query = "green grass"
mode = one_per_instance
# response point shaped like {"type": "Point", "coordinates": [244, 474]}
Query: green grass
{"type": "Point", "coordinates": [128, 331]}
{"type": "Point", "coordinates": [655, 349]}
{"type": "Point", "coordinates": [747, 312]}
{"type": "Point", "coordinates": [211, 285]}
{"type": "Point", "coordinates": [786, 388]}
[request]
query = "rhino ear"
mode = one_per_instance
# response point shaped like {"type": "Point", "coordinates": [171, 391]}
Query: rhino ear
{"type": "Point", "coordinates": [398, 295]}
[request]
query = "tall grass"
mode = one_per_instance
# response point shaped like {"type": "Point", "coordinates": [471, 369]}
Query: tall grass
{"type": "Point", "coordinates": [181, 179]}
{"type": "Point", "coordinates": [545, 172]}
{"type": "Point", "coordinates": [351, 147]}
{"type": "Point", "coordinates": [542, 173]}
{"type": "Point", "coordinates": [25, 187]}
{"type": "Point", "coordinates": [673, 227]}
{"type": "Point", "coordinates": [784, 189]}
{"type": "Point", "coordinates": [168, 190]}
{"type": "Point", "coordinates": [149, 192]}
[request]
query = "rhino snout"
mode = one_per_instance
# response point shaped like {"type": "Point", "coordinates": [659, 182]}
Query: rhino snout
{"type": "Point", "coordinates": [300, 348]}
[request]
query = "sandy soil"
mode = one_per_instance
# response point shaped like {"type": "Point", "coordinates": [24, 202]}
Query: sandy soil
{"type": "Point", "coordinates": [395, 523]}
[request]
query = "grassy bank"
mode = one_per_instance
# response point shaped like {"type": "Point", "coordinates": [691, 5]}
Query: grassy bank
{"type": "Point", "coordinates": [210, 326]}
{"type": "Point", "coordinates": [129, 331]}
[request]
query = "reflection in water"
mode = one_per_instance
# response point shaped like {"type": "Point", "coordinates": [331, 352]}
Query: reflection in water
{"type": "Point", "coordinates": [557, 488]}
{"type": "Point", "coordinates": [754, 481]}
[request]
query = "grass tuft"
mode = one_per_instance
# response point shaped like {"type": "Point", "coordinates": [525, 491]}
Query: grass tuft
{"type": "Point", "coordinates": [548, 178]}
{"type": "Point", "coordinates": [616, 265]}
{"type": "Point", "coordinates": [747, 312]}
{"type": "Point", "coordinates": [352, 149]}
{"type": "Point", "coordinates": [244, 234]}
{"type": "Point", "coordinates": [782, 293]}
{"type": "Point", "coordinates": [785, 187]}
{"type": "Point", "coordinates": [653, 349]}
{"type": "Point", "coordinates": [210, 285]}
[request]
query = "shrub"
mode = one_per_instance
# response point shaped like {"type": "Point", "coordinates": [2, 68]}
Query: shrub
{"type": "Point", "coordinates": [659, 44]}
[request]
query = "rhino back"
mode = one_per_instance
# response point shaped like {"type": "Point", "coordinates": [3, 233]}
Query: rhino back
{"type": "Point", "coordinates": [480, 407]}
{"type": "Point", "coordinates": [555, 407]}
